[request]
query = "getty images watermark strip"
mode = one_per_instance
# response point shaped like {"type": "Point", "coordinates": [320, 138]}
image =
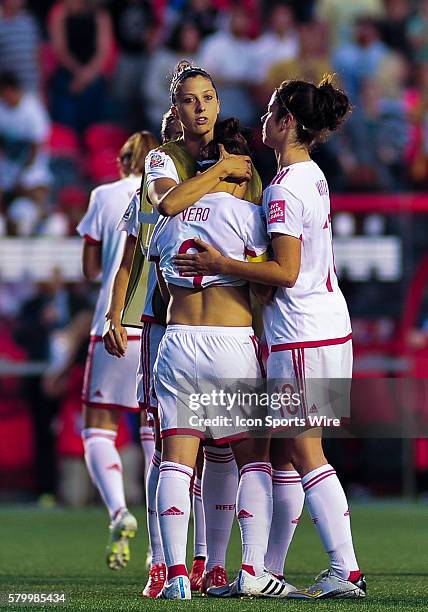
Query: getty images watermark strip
{"type": "Point", "coordinates": [381, 407]}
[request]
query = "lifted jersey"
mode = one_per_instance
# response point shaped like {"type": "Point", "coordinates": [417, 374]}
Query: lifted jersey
{"type": "Point", "coordinates": [107, 205]}
{"type": "Point", "coordinates": [233, 226]}
{"type": "Point", "coordinates": [297, 203]}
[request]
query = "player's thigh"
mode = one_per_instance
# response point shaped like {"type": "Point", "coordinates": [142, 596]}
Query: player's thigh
{"type": "Point", "coordinates": [180, 449]}
{"type": "Point", "coordinates": [101, 418]}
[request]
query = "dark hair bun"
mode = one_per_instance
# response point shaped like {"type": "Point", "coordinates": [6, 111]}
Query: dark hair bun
{"type": "Point", "coordinates": [181, 67]}
{"type": "Point", "coordinates": [332, 105]}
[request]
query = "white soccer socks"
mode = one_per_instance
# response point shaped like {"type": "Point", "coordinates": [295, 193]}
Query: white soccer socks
{"type": "Point", "coordinates": [329, 510]}
{"type": "Point", "coordinates": [200, 546]}
{"type": "Point", "coordinates": [152, 515]}
{"type": "Point", "coordinates": [288, 501]}
{"type": "Point", "coordinates": [147, 440]}
{"type": "Point", "coordinates": [219, 487]}
{"type": "Point", "coordinates": [173, 508]}
{"type": "Point", "coordinates": [105, 467]}
{"type": "Point", "coordinates": [254, 512]}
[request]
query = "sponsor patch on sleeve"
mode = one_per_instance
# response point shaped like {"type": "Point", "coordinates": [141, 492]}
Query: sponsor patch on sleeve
{"type": "Point", "coordinates": [276, 211]}
{"type": "Point", "coordinates": [156, 161]}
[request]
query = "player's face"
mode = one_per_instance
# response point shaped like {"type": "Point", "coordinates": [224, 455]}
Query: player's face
{"type": "Point", "coordinates": [197, 105]}
{"type": "Point", "coordinates": [271, 131]}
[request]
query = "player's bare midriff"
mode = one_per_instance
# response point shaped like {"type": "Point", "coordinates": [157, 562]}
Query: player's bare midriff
{"type": "Point", "coordinates": [213, 306]}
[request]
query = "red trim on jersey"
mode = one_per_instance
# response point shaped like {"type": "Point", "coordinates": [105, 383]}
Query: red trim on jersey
{"type": "Point", "coordinates": [249, 253]}
{"type": "Point", "coordinates": [310, 344]}
{"type": "Point", "coordinates": [110, 406]}
{"type": "Point", "coordinates": [87, 238]}
{"type": "Point", "coordinates": [328, 283]}
{"type": "Point", "coordinates": [281, 174]}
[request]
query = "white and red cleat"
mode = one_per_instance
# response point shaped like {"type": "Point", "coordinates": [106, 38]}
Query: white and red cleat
{"type": "Point", "coordinates": [156, 581]}
{"type": "Point", "coordinates": [215, 577]}
{"type": "Point", "coordinates": [196, 574]}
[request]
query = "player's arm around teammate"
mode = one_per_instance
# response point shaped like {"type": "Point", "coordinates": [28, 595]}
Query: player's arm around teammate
{"type": "Point", "coordinates": [308, 321]}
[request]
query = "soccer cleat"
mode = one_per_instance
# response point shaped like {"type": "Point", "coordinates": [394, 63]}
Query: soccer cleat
{"type": "Point", "coordinates": [246, 585]}
{"type": "Point", "coordinates": [123, 527]}
{"type": "Point", "coordinates": [327, 586]}
{"type": "Point", "coordinates": [215, 577]}
{"type": "Point", "coordinates": [176, 588]}
{"type": "Point", "coordinates": [156, 581]}
{"type": "Point", "coordinates": [196, 574]}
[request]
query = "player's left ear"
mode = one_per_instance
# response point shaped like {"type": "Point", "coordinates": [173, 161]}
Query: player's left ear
{"type": "Point", "coordinates": [174, 111]}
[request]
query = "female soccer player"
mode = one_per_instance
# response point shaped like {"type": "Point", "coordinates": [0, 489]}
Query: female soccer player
{"type": "Point", "coordinates": [109, 384]}
{"type": "Point", "coordinates": [171, 186]}
{"type": "Point", "coordinates": [307, 324]}
{"type": "Point", "coordinates": [209, 339]}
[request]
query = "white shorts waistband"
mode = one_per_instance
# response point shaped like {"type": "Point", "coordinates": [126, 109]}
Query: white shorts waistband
{"type": "Point", "coordinates": [207, 329]}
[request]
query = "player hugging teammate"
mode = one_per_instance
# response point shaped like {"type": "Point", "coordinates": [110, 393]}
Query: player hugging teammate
{"type": "Point", "coordinates": [204, 274]}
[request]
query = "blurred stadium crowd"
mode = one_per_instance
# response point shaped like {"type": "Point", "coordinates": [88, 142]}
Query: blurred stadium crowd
{"type": "Point", "coordinates": [78, 76]}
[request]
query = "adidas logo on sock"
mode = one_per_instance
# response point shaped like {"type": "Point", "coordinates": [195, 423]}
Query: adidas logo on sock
{"type": "Point", "coordinates": [98, 393]}
{"type": "Point", "coordinates": [115, 466]}
{"type": "Point", "coordinates": [242, 514]}
{"type": "Point", "coordinates": [313, 409]}
{"type": "Point", "coordinates": [173, 511]}
{"type": "Point", "coordinates": [347, 513]}
{"type": "Point", "coordinates": [296, 521]}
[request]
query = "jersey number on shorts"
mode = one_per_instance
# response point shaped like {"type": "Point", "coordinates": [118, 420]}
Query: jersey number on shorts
{"type": "Point", "coordinates": [185, 247]}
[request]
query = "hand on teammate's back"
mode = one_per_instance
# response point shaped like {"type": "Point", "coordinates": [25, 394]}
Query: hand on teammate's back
{"type": "Point", "coordinates": [207, 262]}
{"type": "Point", "coordinates": [235, 166]}
{"type": "Point", "coordinates": [115, 337]}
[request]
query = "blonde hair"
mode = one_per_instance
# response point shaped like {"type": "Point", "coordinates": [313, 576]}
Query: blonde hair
{"type": "Point", "coordinates": [134, 151]}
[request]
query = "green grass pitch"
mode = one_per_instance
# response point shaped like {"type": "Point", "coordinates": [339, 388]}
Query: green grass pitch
{"type": "Point", "coordinates": [62, 550]}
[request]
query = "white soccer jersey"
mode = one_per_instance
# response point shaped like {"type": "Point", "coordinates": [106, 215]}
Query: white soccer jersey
{"type": "Point", "coordinates": [314, 311]}
{"type": "Point", "coordinates": [99, 226]}
{"type": "Point", "coordinates": [233, 226]}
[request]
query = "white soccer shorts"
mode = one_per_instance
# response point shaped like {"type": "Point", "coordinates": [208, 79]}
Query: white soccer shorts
{"type": "Point", "coordinates": [193, 360]}
{"type": "Point", "coordinates": [320, 376]}
{"type": "Point", "coordinates": [110, 382]}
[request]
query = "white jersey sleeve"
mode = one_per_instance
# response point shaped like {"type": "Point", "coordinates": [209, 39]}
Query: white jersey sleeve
{"type": "Point", "coordinates": [255, 238]}
{"type": "Point", "coordinates": [283, 211]}
{"type": "Point", "coordinates": [91, 226]}
{"type": "Point", "coordinates": [160, 165]}
{"type": "Point", "coordinates": [129, 222]}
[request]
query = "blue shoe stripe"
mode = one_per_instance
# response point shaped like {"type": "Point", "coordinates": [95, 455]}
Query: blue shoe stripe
{"type": "Point", "coordinates": [180, 582]}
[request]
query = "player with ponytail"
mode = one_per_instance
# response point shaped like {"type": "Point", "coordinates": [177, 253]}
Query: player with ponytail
{"type": "Point", "coordinates": [307, 323]}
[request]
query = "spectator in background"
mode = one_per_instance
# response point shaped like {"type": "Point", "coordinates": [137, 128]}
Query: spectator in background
{"type": "Point", "coordinates": [82, 39]}
{"type": "Point", "coordinates": [393, 26]}
{"type": "Point", "coordinates": [19, 44]}
{"type": "Point", "coordinates": [279, 43]}
{"type": "Point", "coordinates": [136, 33]}
{"type": "Point", "coordinates": [311, 63]}
{"type": "Point", "coordinates": [227, 56]}
{"type": "Point", "coordinates": [359, 59]}
{"type": "Point", "coordinates": [24, 130]}
{"type": "Point", "coordinates": [339, 16]}
{"type": "Point", "coordinates": [417, 105]}
{"type": "Point", "coordinates": [377, 134]}
{"type": "Point", "coordinates": [51, 308]}
{"type": "Point", "coordinates": [183, 43]}
{"type": "Point", "coordinates": [417, 31]}
{"type": "Point", "coordinates": [204, 15]}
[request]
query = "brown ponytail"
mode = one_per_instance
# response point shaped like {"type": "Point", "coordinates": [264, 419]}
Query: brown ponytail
{"type": "Point", "coordinates": [134, 151]}
{"type": "Point", "coordinates": [317, 110]}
